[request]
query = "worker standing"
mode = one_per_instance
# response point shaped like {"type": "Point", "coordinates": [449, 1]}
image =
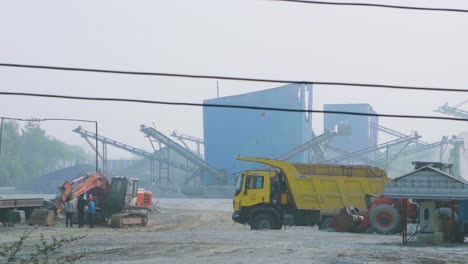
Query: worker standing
{"type": "Point", "coordinates": [69, 211]}
{"type": "Point", "coordinates": [91, 211]}
{"type": "Point", "coordinates": [81, 210]}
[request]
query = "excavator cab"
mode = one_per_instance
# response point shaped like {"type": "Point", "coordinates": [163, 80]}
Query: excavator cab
{"type": "Point", "coordinates": [122, 192]}
{"type": "Point", "coordinates": [121, 204]}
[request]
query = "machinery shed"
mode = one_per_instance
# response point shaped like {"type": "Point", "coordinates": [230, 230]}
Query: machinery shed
{"type": "Point", "coordinates": [230, 132]}
{"type": "Point", "coordinates": [435, 191]}
{"type": "Point", "coordinates": [427, 183]}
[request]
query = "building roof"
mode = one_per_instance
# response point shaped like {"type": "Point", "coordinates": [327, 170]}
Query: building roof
{"type": "Point", "coordinates": [427, 183]}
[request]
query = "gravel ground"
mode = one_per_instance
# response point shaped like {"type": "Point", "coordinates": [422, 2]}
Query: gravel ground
{"type": "Point", "coordinates": [201, 231]}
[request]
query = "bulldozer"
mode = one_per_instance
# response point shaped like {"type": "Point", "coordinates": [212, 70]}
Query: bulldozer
{"type": "Point", "coordinates": [119, 203]}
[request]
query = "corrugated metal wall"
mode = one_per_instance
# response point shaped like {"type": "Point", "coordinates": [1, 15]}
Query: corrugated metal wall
{"type": "Point", "coordinates": [356, 134]}
{"type": "Point", "coordinates": [256, 133]}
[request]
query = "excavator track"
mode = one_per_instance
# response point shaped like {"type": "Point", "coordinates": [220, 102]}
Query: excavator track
{"type": "Point", "coordinates": [131, 219]}
{"type": "Point", "coordinates": [42, 217]}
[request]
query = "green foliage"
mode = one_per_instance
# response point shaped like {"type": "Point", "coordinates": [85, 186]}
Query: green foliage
{"type": "Point", "coordinates": [43, 251]}
{"type": "Point", "coordinates": [29, 152]}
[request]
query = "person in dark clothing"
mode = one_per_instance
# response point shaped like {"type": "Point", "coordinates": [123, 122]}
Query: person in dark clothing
{"type": "Point", "coordinates": [81, 209]}
{"type": "Point", "coordinates": [69, 211]}
{"type": "Point", "coordinates": [91, 211]}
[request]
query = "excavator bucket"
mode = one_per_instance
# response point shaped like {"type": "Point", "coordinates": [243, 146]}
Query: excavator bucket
{"type": "Point", "coordinates": [42, 217]}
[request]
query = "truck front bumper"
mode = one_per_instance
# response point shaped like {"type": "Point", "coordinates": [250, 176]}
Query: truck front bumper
{"type": "Point", "coordinates": [240, 218]}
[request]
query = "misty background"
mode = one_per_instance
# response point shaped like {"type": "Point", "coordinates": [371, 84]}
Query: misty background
{"type": "Point", "coordinates": [233, 38]}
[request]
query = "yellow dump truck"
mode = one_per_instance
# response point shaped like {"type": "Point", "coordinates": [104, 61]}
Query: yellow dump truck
{"type": "Point", "coordinates": [302, 194]}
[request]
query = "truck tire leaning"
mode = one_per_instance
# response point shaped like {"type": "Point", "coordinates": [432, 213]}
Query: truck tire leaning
{"type": "Point", "coordinates": [384, 219]}
{"type": "Point", "coordinates": [447, 212]}
{"type": "Point", "coordinates": [263, 221]}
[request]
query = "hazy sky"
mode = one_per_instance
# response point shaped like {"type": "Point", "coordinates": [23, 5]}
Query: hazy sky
{"type": "Point", "coordinates": [234, 38]}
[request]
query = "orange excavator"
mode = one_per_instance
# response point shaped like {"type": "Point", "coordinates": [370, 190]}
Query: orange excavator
{"type": "Point", "coordinates": [121, 202]}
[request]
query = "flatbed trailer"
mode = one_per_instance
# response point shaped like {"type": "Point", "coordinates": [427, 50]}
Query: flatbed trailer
{"type": "Point", "coordinates": [8, 205]}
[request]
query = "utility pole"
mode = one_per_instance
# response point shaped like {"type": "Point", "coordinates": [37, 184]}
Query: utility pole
{"type": "Point", "coordinates": [97, 146]}
{"type": "Point", "coordinates": [1, 132]}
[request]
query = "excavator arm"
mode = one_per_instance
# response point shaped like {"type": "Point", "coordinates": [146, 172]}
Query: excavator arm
{"type": "Point", "coordinates": [95, 183]}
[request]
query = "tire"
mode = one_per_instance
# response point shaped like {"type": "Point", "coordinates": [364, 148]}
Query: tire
{"type": "Point", "coordinates": [443, 218]}
{"type": "Point", "coordinates": [447, 212]}
{"type": "Point", "coordinates": [263, 221]}
{"type": "Point", "coordinates": [384, 219]}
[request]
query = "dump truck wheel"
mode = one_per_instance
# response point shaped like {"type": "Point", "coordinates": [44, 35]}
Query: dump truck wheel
{"type": "Point", "coordinates": [384, 219]}
{"type": "Point", "coordinates": [263, 221]}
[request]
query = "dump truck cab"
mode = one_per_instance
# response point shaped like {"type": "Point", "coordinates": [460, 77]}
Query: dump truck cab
{"type": "Point", "coordinates": [259, 192]}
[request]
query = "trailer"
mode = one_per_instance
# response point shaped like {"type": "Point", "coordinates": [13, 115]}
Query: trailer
{"type": "Point", "coordinates": [14, 209]}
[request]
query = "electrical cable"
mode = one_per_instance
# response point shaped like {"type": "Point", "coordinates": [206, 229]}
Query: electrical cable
{"type": "Point", "coordinates": [374, 5]}
{"type": "Point", "coordinates": [46, 119]}
{"type": "Point", "coordinates": [228, 106]}
{"type": "Point", "coordinates": [219, 77]}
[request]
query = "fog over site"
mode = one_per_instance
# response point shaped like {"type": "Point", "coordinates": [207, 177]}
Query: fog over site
{"type": "Point", "coordinates": [160, 170]}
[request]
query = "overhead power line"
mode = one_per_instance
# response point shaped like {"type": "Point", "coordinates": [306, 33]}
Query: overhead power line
{"type": "Point", "coordinates": [417, 8]}
{"type": "Point", "coordinates": [46, 119]}
{"type": "Point", "coordinates": [218, 77]}
{"type": "Point", "coordinates": [228, 106]}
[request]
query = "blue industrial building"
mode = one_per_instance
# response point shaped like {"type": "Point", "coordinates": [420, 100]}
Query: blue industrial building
{"type": "Point", "coordinates": [230, 132]}
{"type": "Point", "coordinates": [354, 131]}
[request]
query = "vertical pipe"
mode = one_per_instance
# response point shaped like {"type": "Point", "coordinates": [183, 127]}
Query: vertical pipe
{"type": "Point", "coordinates": [404, 221]}
{"type": "Point", "coordinates": [1, 132]}
{"type": "Point", "coordinates": [452, 222]}
{"type": "Point", "coordinates": [97, 145]}
{"type": "Point", "coordinates": [153, 181]}
{"type": "Point", "coordinates": [386, 158]}
{"type": "Point", "coordinates": [104, 158]}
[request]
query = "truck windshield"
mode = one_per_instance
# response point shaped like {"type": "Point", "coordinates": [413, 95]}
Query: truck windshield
{"type": "Point", "coordinates": [239, 184]}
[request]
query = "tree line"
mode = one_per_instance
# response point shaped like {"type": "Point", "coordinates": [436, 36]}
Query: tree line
{"type": "Point", "coordinates": [28, 152]}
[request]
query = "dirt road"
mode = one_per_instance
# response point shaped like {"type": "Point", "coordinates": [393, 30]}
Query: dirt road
{"type": "Point", "coordinates": [201, 231]}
